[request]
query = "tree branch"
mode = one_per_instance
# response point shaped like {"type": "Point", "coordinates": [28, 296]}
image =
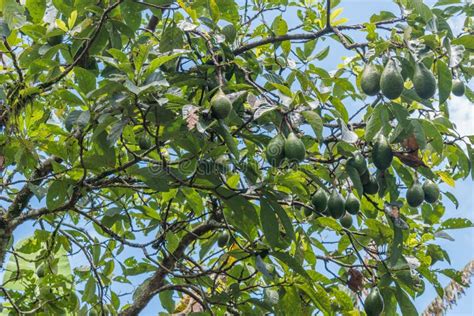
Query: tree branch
{"type": "Point", "coordinates": [168, 263]}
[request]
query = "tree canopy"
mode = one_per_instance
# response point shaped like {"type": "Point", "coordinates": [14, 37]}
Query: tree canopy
{"type": "Point", "coordinates": [197, 152]}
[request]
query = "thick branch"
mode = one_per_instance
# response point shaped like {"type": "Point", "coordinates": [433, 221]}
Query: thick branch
{"type": "Point", "coordinates": [169, 262]}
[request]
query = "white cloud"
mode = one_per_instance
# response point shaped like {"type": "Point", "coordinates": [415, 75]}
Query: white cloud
{"type": "Point", "coordinates": [461, 112]}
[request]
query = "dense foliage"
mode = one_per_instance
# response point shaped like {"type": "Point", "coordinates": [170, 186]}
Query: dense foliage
{"type": "Point", "coordinates": [196, 151]}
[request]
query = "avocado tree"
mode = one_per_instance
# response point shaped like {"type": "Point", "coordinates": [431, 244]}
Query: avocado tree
{"type": "Point", "coordinates": [195, 153]}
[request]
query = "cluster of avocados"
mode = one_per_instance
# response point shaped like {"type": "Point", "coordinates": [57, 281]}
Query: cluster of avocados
{"type": "Point", "coordinates": [279, 149]}
{"type": "Point", "coordinates": [418, 193]}
{"type": "Point", "coordinates": [391, 82]}
{"type": "Point", "coordinates": [336, 206]}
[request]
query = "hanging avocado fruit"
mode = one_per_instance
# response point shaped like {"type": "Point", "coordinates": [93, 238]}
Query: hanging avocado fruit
{"type": "Point", "coordinates": [220, 105]}
{"type": "Point", "coordinates": [373, 304]}
{"type": "Point", "coordinates": [55, 40]}
{"type": "Point", "coordinates": [358, 162]}
{"type": "Point", "coordinates": [352, 204]}
{"type": "Point", "coordinates": [336, 205]}
{"type": "Point", "coordinates": [346, 221]}
{"type": "Point", "coordinates": [370, 80]}
{"type": "Point", "coordinates": [320, 201]}
{"type": "Point", "coordinates": [431, 191]}
{"type": "Point", "coordinates": [275, 151]}
{"type": "Point", "coordinates": [458, 88]}
{"type": "Point", "coordinates": [415, 195]}
{"type": "Point", "coordinates": [391, 81]}
{"type": "Point", "coordinates": [382, 154]}
{"type": "Point", "coordinates": [144, 142]}
{"type": "Point", "coordinates": [372, 186]}
{"type": "Point", "coordinates": [294, 148]}
{"type": "Point", "coordinates": [307, 211]}
{"type": "Point", "coordinates": [223, 240]}
{"type": "Point", "coordinates": [424, 81]}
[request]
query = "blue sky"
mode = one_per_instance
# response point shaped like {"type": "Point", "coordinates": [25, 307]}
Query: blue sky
{"type": "Point", "coordinates": [462, 113]}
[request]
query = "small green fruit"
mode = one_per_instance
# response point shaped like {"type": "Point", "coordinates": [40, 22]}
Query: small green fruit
{"type": "Point", "coordinates": [55, 40]}
{"type": "Point", "coordinates": [307, 211]}
{"type": "Point", "coordinates": [41, 271]}
{"type": "Point", "coordinates": [415, 195]}
{"type": "Point", "coordinates": [336, 205]}
{"type": "Point", "coordinates": [275, 150]}
{"type": "Point", "coordinates": [391, 81]}
{"type": "Point", "coordinates": [346, 221]}
{"type": "Point", "coordinates": [431, 191]}
{"type": "Point", "coordinates": [294, 148]}
{"type": "Point", "coordinates": [358, 162]}
{"type": "Point", "coordinates": [371, 187]}
{"type": "Point", "coordinates": [223, 239]}
{"type": "Point", "coordinates": [93, 312]}
{"type": "Point", "coordinates": [352, 204]}
{"type": "Point", "coordinates": [373, 303]}
{"type": "Point", "coordinates": [365, 178]}
{"type": "Point", "coordinates": [281, 61]}
{"type": "Point", "coordinates": [320, 201]}
{"type": "Point", "coordinates": [144, 142]}
{"type": "Point", "coordinates": [220, 105]}
{"type": "Point", "coordinates": [370, 80]}
{"type": "Point", "coordinates": [382, 154]}
{"type": "Point", "coordinates": [424, 82]}
{"type": "Point", "coordinates": [458, 88]}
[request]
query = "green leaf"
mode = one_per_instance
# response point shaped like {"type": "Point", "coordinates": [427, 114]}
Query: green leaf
{"type": "Point", "coordinates": [405, 303]}
{"type": "Point", "coordinates": [374, 124]}
{"type": "Point", "coordinates": [444, 81]}
{"type": "Point", "coordinates": [355, 178]}
{"type": "Point", "coordinates": [223, 130]}
{"type": "Point", "coordinates": [456, 223]}
{"type": "Point", "coordinates": [166, 300]}
{"type": "Point", "coordinates": [269, 222]}
{"type": "Point", "coordinates": [36, 8]}
{"type": "Point", "coordinates": [279, 26]}
{"type": "Point", "coordinates": [466, 40]}
{"type": "Point", "coordinates": [85, 79]}
{"type": "Point", "coordinates": [285, 220]}
{"type": "Point", "coordinates": [315, 121]}
{"type": "Point", "coordinates": [57, 194]}
{"type": "Point", "coordinates": [291, 263]}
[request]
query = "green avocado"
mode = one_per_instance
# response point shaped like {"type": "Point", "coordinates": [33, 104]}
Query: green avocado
{"type": "Point", "coordinates": [320, 201]}
{"type": "Point", "coordinates": [458, 88]}
{"type": "Point", "coordinates": [144, 142]}
{"type": "Point", "coordinates": [294, 148]}
{"type": "Point", "coordinates": [382, 154]}
{"type": "Point", "coordinates": [424, 81]}
{"type": "Point", "coordinates": [41, 271]}
{"type": "Point", "coordinates": [275, 150]}
{"type": "Point", "coordinates": [391, 81]}
{"type": "Point", "coordinates": [352, 204]}
{"type": "Point", "coordinates": [223, 239]}
{"type": "Point", "coordinates": [281, 61]}
{"type": "Point", "coordinates": [220, 105]}
{"type": "Point", "coordinates": [307, 211]}
{"type": "Point", "coordinates": [336, 205]}
{"type": "Point", "coordinates": [55, 40]}
{"type": "Point", "coordinates": [370, 80]}
{"type": "Point", "coordinates": [93, 312]}
{"type": "Point", "coordinates": [358, 162]}
{"type": "Point", "coordinates": [372, 186]}
{"type": "Point", "coordinates": [346, 221]}
{"type": "Point", "coordinates": [373, 303]}
{"type": "Point", "coordinates": [415, 195]}
{"type": "Point", "coordinates": [431, 191]}
{"type": "Point", "coordinates": [365, 178]}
